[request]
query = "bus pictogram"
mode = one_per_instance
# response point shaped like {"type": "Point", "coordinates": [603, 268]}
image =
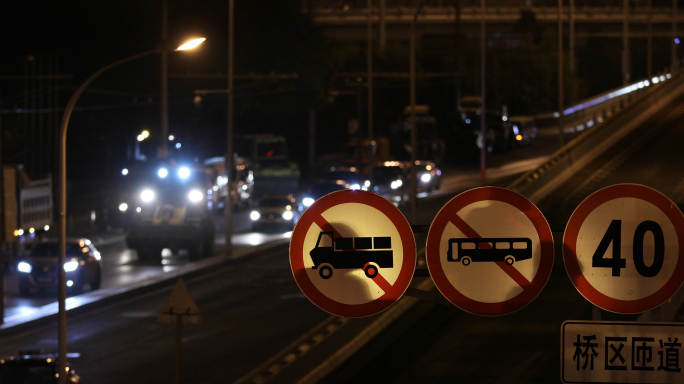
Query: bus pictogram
{"type": "Point", "coordinates": [493, 249]}
{"type": "Point", "coordinates": [367, 253]}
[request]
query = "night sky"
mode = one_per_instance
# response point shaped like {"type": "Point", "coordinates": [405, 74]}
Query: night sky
{"type": "Point", "coordinates": [73, 39]}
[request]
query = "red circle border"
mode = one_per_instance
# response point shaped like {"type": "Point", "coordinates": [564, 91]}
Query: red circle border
{"type": "Point", "coordinates": [297, 253]}
{"type": "Point", "coordinates": [437, 229]}
{"type": "Point", "coordinates": [575, 274]}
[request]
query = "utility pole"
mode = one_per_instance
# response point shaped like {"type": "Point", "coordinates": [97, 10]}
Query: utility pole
{"type": "Point", "coordinates": [560, 73]}
{"type": "Point", "coordinates": [370, 70]}
{"type": "Point", "coordinates": [483, 113]}
{"type": "Point", "coordinates": [163, 151]}
{"type": "Point", "coordinates": [230, 160]}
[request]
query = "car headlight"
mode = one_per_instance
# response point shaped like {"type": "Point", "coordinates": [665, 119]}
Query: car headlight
{"type": "Point", "coordinates": [254, 215]}
{"type": "Point", "coordinates": [307, 201]}
{"type": "Point", "coordinates": [287, 215]}
{"type": "Point", "coordinates": [162, 173]}
{"type": "Point", "coordinates": [24, 267]}
{"type": "Point", "coordinates": [396, 184]}
{"type": "Point", "coordinates": [195, 196]}
{"type": "Point", "coordinates": [71, 266]}
{"type": "Point", "coordinates": [355, 186]}
{"type": "Point", "coordinates": [123, 207]}
{"type": "Point", "coordinates": [426, 177]}
{"type": "Point", "coordinates": [147, 195]}
{"type": "Point", "coordinates": [184, 172]}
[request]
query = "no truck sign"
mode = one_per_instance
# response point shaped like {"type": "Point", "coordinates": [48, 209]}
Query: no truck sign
{"type": "Point", "coordinates": [353, 253]}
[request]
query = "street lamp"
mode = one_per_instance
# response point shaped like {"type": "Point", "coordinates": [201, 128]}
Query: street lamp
{"type": "Point", "coordinates": [164, 47]}
{"type": "Point", "coordinates": [141, 137]}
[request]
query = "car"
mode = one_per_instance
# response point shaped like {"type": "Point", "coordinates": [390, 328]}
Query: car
{"type": "Point", "coordinates": [30, 368]}
{"type": "Point", "coordinates": [389, 179]}
{"type": "Point", "coordinates": [428, 174]}
{"type": "Point", "coordinates": [275, 210]}
{"type": "Point", "coordinates": [524, 130]}
{"type": "Point", "coordinates": [350, 178]}
{"type": "Point", "coordinates": [320, 189]}
{"type": "Point", "coordinates": [38, 270]}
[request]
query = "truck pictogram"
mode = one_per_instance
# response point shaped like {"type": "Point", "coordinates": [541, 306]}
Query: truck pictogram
{"type": "Point", "coordinates": [367, 253]}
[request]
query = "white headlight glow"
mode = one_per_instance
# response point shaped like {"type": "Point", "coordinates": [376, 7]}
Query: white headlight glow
{"type": "Point", "coordinates": [254, 215]}
{"type": "Point", "coordinates": [184, 172]}
{"type": "Point", "coordinates": [24, 267]}
{"type": "Point", "coordinates": [287, 215]}
{"type": "Point", "coordinates": [147, 195]}
{"type": "Point", "coordinates": [195, 196]}
{"type": "Point", "coordinates": [70, 266]}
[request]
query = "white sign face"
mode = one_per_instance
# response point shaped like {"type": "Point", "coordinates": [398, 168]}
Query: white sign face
{"type": "Point", "coordinates": [490, 251]}
{"type": "Point", "coordinates": [623, 248]}
{"type": "Point", "coordinates": [353, 253]}
{"type": "Point", "coordinates": [621, 352]}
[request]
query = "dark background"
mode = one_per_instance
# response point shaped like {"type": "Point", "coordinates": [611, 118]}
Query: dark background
{"type": "Point", "coordinates": [286, 69]}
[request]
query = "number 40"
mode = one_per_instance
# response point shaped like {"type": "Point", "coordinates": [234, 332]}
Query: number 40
{"type": "Point", "coordinates": [616, 262]}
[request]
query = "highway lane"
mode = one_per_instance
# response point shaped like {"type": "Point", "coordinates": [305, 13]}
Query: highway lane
{"type": "Point", "coordinates": [121, 266]}
{"type": "Point", "coordinates": [449, 345]}
{"type": "Point", "coordinates": [252, 309]}
{"type": "Point", "coordinates": [249, 309]}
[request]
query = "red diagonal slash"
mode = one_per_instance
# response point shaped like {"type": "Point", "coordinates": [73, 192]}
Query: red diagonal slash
{"type": "Point", "coordinates": [509, 269]}
{"type": "Point", "coordinates": [327, 227]}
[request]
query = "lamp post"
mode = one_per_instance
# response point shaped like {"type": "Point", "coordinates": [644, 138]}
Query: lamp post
{"type": "Point", "coordinates": [62, 188]}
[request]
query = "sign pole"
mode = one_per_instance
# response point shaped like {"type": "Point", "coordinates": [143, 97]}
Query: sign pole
{"type": "Point", "coordinates": [179, 308]}
{"type": "Point", "coordinates": [179, 338]}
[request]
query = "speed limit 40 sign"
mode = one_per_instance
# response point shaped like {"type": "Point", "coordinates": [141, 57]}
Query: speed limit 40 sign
{"type": "Point", "coordinates": [623, 248]}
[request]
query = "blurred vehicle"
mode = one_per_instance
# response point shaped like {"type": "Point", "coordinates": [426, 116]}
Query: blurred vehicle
{"type": "Point", "coordinates": [318, 190]}
{"type": "Point", "coordinates": [34, 368]}
{"type": "Point", "coordinates": [274, 171]}
{"type": "Point", "coordinates": [498, 135]}
{"type": "Point", "coordinates": [350, 178]}
{"type": "Point", "coordinates": [243, 182]}
{"type": "Point", "coordinates": [360, 153]}
{"type": "Point", "coordinates": [27, 211]}
{"type": "Point", "coordinates": [170, 210]}
{"type": "Point", "coordinates": [389, 179]}
{"type": "Point", "coordinates": [428, 174]}
{"type": "Point", "coordinates": [524, 130]}
{"type": "Point", "coordinates": [39, 270]}
{"type": "Point", "coordinates": [275, 210]}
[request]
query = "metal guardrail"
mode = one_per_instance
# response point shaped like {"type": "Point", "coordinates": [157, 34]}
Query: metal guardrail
{"type": "Point", "coordinates": [610, 121]}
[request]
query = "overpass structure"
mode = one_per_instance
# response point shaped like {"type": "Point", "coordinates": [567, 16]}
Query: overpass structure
{"type": "Point", "coordinates": [348, 20]}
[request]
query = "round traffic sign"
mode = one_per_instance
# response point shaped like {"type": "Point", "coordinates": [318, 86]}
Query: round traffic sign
{"type": "Point", "coordinates": [622, 248]}
{"type": "Point", "coordinates": [490, 251]}
{"type": "Point", "coordinates": [353, 253]}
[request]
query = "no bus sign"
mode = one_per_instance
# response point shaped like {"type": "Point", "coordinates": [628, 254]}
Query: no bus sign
{"type": "Point", "coordinates": [622, 248]}
{"type": "Point", "coordinates": [353, 253]}
{"type": "Point", "coordinates": [490, 251]}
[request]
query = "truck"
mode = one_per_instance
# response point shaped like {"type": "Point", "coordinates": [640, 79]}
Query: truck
{"type": "Point", "coordinates": [274, 172]}
{"type": "Point", "coordinates": [170, 210]}
{"type": "Point", "coordinates": [366, 253]}
{"type": "Point", "coordinates": [27, 211]}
